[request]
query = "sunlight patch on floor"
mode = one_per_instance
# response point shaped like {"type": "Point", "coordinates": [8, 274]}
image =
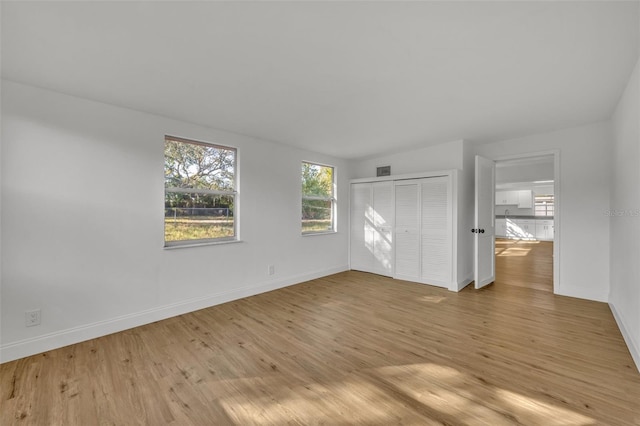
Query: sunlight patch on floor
{"type": "Point", "coordinates": [354, 400]}
{"type": "Point", "coordinates": [502, 242]}
{"type": "Point", "coordinates": [432, 299]}
{"type": "Point", "coordinates": [426, 393]}
{"type": "Point", "coordinates": [528, 407]}
{"type": "Point", "coordinates": [529, 242]}
{"type": "Point", "coordinates": [471, 400]}
{"type": "Point", "coordinates": [514, 251]}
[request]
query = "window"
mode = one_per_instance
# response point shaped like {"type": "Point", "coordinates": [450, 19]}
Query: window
{"type": "Point", "coordinates": [318, 199]}
{"type": "Point", "coordinates": [544, 205]}
{"type": "Point", "coordinates": [199, 192]}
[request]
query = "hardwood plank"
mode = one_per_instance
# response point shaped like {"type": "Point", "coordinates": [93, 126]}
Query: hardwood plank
{"type": "Point", "coordinates": [352, 348]}
{"type": "Point", "coordinates": [525, 263]}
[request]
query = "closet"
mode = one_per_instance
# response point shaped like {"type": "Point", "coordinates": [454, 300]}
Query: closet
{"type": "Point", "coordinates": [403, 227]}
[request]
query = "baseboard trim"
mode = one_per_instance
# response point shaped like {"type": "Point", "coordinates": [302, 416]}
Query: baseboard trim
{"type": "Point", "coordinates": [462, 284]}
{"type": "Point", "coordinates": [27, 347]}
{"type": "Point", "coordinates": [580, 294]}
{"type": "Point", "coordinates": [631, 345]}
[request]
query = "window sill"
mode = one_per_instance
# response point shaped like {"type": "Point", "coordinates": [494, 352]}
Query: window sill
{"type": "Point", "coordinates": [208, 243]}
{"type": "Point", "coordinates": [312, 234]}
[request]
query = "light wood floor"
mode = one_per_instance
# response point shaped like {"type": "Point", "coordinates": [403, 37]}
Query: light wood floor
{"type": "Point", "coordinates": [524, 263]}
{"type": "Point", "coordinates": [352, 348]}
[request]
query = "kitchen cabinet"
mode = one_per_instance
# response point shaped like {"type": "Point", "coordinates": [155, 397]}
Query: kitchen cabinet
{"type": "Point", "coordinates": [544, 230]}
{"type": "Point", "coordinates": [501, 228]}
{"type": "Point", "coordinates": [525, 199]}
{"type": "Point", "coordinates": [523, 229]}
{"type": "Point", "coordinates": [506, 198]}
{"type": "Point", "coordinates": [522, 198]}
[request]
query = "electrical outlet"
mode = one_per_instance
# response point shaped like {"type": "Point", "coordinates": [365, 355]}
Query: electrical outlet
{"type": "Point", "coordinates": [32, 317]}
{"type": "Point", "coordinates": [271, 270]}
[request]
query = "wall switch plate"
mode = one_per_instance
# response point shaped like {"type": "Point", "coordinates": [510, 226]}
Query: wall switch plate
{"type": "Point", "coordinates": [271, 270]}
{"type": "Point", "coordinates": [32, 317]}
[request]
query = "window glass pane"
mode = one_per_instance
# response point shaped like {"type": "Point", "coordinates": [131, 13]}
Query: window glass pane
{"type": "Point", "coordinates": [317, 215]}
{"type": "Point", "coordinates": [317, 181]}
{"type": "Point", "coordinates": [317, 198]}
{"type": "Point", "coordinates": [195, 216]}
{"type": "Point", "coordinates": [544, 205]}
{"type": "Point", "coordinates": [198, 166]}
{"type": "Point", "coordinates": [192, 170]}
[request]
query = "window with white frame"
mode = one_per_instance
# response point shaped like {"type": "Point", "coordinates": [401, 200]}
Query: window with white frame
{"type": "Point", "coordinates": [544, 205]}
{"type": "Point", "coordinates": [200, 192]}
{"type": "Point", "coordinates": [318, 198]}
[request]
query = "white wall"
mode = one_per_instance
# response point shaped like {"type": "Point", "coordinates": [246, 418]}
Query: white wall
{"type": "Point", "coordinates": [512, 173]}
{"type": "Point", "coordinates": [82, 222]}
{"type": "Point", "coordinates": [583, 198]}
{"type": "Point", "coordinates": [1, 173]}
{"type": "Point", "coordinates": [624, 297]}
{"type": "Point", "coordinates": [439, 157]}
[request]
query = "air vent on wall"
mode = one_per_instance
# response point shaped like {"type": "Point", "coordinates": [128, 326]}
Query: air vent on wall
{"type": "Point", "coordinates": [383, 171]}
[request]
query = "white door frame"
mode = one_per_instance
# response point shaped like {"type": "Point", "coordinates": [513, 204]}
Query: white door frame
{"type": "Point", "coordinates": [556, 206]}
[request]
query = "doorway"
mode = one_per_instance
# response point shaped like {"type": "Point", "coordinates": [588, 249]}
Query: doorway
{"type": "Point", "coordinates": [526, 221]}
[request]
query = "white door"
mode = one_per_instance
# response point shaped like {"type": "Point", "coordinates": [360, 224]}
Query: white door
{"type": "Point", "coordinates": [484, 240]}
{"type": "Point", "coordinates": [407, 231]}
{"type": "Point", "coordinates": [436, 232]}
{"type": "Point", "coordinates": [361, 242]}
{"type": "Point", "coordinates": [382, 217]}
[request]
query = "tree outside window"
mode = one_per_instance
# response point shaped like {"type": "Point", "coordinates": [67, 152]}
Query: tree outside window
{"type": "Point", "coordinates": [318, 198]}
{"type": "Point", "coordinates": [200, 192]}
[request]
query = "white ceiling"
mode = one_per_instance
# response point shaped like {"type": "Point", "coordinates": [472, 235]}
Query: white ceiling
{"type": "Point", "coordinates": [350, 79]}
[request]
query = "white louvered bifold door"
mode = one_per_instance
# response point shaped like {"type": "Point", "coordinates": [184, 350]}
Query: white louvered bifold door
{"type": "Point", "coordinates": [435, 238]}
{"type": "Point", "coordinates": [361, 227]}
{"type": "Point", "coordinates": [407, 230]}
{"type": "Point", "coordinates": [383, 212]}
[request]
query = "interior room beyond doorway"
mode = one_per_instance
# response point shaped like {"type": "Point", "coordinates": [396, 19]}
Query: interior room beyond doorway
{"type": "Point", "coordinates": [524, 222]}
